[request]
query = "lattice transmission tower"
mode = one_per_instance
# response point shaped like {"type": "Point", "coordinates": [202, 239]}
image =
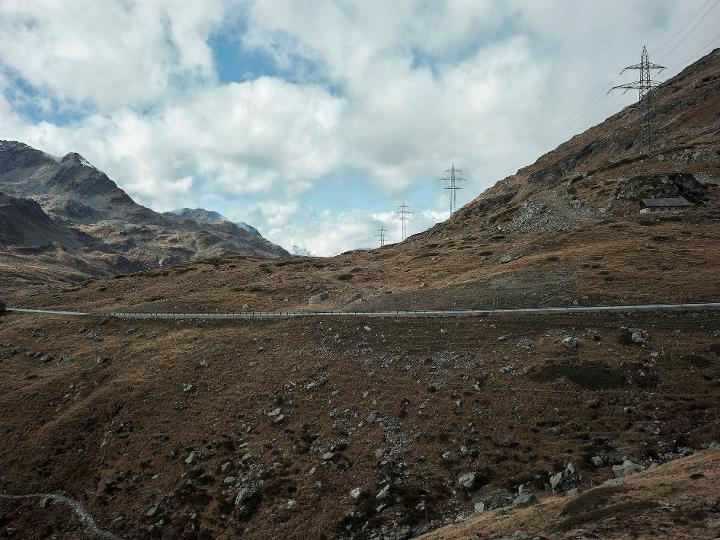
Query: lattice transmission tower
{"type": "Point", "coordinates": [452, 181]}
{"type": "Point", "coordinates": [382, 236]}
{"type": "Point", "coordinates": [404, 211]}
{"type": "Point", "coordinates": [644, 85]}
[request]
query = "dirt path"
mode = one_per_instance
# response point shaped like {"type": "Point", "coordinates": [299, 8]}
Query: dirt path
{"type": "Point", "coordinates": [397, 314]}
{"type": "Point", "coordinates": [90, 528]}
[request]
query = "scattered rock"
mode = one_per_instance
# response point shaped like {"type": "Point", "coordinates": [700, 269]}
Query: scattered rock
{"type": "Point", "coordinates": [383, 493]}
{"type": "Point", "coordinates": [246, 494]}
{"type": "Point", "coordinates": [570, 342]}
{"type": "Point", "coordinates": [319, 298]}
{"type": "Point", "coordinates": [626, 469]}
{"type": "Point", "coordinates": [152, 512]}
{"type": "Point", "coordinates": [355, 493]}
{"type": "Point", "coordinates": [327, 456]}
{"type": "Point", "coordinates": [64, 360]}
{"type": "Point", "coordinates": [597, 461]}
{"type": "Point", "coordinates": [524, 499]}
{"type": "Point", "coordinates": [187, 387]}
{"type": "Point", "coordinates": [480, 506]}
{"type": "Point", "coordinates": [192, 457]}
{"type": "Point", "coordinates": [614, 482]}
{"type": "Point", "coordinates": [467, 480]}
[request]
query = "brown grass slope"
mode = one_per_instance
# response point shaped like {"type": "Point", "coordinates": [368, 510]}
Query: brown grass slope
{"type": "Point", "coordinates": [113, 414]}
{"type": "Point", "coordinates": [674, 500]}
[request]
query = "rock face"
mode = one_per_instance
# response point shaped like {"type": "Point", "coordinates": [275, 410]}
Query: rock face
{"type": "Point", "coordinates": [85, 225]}
{"type": "Point", "coordinates": [202, 215]}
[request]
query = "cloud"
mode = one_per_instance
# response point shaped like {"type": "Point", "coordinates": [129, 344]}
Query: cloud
{"type": "Point", "coordinates": [387, 93]}
{"type": "Point", "coordinates": [108, 54]}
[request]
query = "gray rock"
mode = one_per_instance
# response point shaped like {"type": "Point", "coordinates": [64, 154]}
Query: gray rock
{"type": "Point", "coordinates": [467, 480]}
{"type": "Point", "coordinates": [64, 360]}
{"type": "Point", "coordinates": [570, 342]}
{"type": "Point", "coordinates": [383, 493]}
{"type": "Point", "coordinates": [46, 358]}
{"type": "Point", "coordinates": [614, 482]}
{"type": "Point", "coordinates": [229, 480]}
{"type": "Point", "coordinates": [327, 456]}
{"type": "Point", "coordinates": [524, 499]}
{"type": "Point", "coordinates": [19, 349]}
{"type": "Point", "coordinates": [597, 461]}
{"type": "Point", "coordinates": [371, 417]}
{"type": "Point", "coordinates": [152, 512]}
{"type": "Point", "coordinates": [555, 480]}
{"type": "Point", "coordinates": [192, 457]}
{"type": "Point", "coordinates": [246, 494]}
{"type": "Point", "coordinates": [480, 506]}
{"type": "Point", "coordinates": [626, 469]}
{"type": "Point", "coordinates": [225, 467]}
{"type": "Point", "coordinates": [638, 336]}
{"type": "Point", "coordinates": [102, 359]}
{"type": "Point", "coordinates": [355, 493]}
{"type": "Point", "coordinates": [319, 298]}
{"type": "Point", "coordinates": [187, 387]}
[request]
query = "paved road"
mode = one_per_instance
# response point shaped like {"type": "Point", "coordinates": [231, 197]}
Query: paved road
{"type": "Point", "coordinates": [414, 313]}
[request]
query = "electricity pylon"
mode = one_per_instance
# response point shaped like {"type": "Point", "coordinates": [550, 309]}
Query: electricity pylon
{"type": "Point", "coordinates": [404, 211]}
{"type": "Point", "coordinates": [644, 85]}
{"type": "Point", "coordinates": [382, 236]}
{"type": "Point", "coordinates": [453, 181]}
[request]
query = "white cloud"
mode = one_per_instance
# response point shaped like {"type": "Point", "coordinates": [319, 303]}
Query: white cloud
{"type": "Point", "coordinates": [108, 54]}
{"type": "Point", "coordinates": [394, 91]}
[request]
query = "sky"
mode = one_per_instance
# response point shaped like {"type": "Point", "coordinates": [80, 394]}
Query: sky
{"type": "Point", "coordinates": [313, 119]}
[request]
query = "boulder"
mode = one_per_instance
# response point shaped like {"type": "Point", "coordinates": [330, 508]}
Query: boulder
{"type": "Point", "coordinates": [467, 480]}
{"type": "Point", "coordinates": [319, 298]}
{"type": "Point", "coordinates": [626, 469]}
{"type": "Point", "coordinates": [524, 499]}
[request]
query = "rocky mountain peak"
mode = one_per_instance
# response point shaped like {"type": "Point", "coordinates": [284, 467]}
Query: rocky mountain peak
{"type": "Point", "coordinates": [74, 157]}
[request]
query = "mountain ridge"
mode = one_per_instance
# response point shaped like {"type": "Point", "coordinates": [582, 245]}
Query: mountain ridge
{"type": "Point", "coordinates": [92, 227]}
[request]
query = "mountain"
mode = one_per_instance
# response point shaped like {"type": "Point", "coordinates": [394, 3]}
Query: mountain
{"type": "Point", "coordinates": [208, 216]}
{"type": "Point", "coordinates": [65, 203]}
{"type": "Point", "coordinates": [386, 427]}
{"type": "Point", "coordinates": [565, 229]}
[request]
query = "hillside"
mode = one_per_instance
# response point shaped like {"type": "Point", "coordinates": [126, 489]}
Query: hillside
{"type": "Point", "coordinates": [393, 428]}
{"type": "Point", "coordinates": [69, 221]}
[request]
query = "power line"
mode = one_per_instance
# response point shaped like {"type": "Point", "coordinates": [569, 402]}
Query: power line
{"type": "Point", "coordinates": [689, 33]}
{"type": "Point", "coordinates": [659, 49]}
{"type": "Point", "coordinates": [404, 211]}
{"type": "Point", "coordinates": [382, 236]}
{"type": "Point", "coordinates": [452, 181]}
{"type": "Point", "coordinates": [643, 86]}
